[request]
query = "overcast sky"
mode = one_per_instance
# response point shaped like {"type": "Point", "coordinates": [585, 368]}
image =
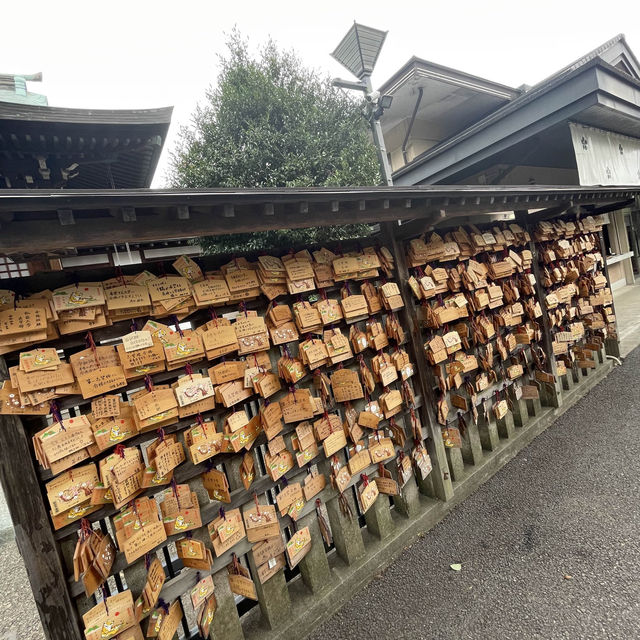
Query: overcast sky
{"type": "Point", "coordinates": [140, 53]}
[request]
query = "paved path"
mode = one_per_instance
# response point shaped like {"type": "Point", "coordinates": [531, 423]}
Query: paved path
{"type": "Point", "coordinates": [627, 303]}
{"type": "Point", "coordinates": [568, 505]}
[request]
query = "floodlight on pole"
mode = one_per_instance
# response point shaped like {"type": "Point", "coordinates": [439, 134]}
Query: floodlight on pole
{"type": "Point", "coordinates": [358, 52]}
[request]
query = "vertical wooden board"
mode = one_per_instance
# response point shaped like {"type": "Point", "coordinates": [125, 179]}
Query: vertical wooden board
{"type": "Point", "coordinates": [34, 535]}
{"type": "Point", "coordinates": [547, 337]}
{"type": "Point", "coordinates": [441, 483]}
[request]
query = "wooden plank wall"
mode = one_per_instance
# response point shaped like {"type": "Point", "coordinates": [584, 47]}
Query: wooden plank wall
{"type": "Point", "coordinates": [48, 553]}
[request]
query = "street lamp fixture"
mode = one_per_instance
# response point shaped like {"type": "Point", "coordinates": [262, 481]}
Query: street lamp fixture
{"type": "Point", "coordinates": [358, 52]}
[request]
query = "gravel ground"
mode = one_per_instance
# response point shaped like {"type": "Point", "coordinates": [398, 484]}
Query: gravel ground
{"type": "Point", "coordinates": [548, 547]}
{"type": "Point", "coordinates": [6, 526]}
{"type": "Point", "coordinates": [19, 618]}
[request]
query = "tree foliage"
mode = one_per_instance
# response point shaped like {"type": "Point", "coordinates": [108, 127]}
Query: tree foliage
{"type": "Point", "coordinates": [271, 122]}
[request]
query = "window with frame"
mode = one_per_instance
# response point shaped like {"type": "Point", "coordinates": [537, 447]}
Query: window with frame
{"type": "Point", "coordinates": [11, 269]}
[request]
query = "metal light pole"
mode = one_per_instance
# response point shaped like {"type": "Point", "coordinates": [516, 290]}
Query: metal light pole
{"type": "Point", "coordinates": [358, 52]}
{"type": "Point", "coordinates": [378, 138]}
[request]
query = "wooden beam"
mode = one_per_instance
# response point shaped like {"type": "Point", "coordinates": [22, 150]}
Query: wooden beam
{"type": "Point", "coordinates": [549, 212]}
{"type": "Point", "coordinates": [48, 235]}
{"type": "Point", "coordinates": [614, 206]}
{"type": "Point", "coordinates": [418, 226]}
{"type": "Point", "coordinates": [33, 532]}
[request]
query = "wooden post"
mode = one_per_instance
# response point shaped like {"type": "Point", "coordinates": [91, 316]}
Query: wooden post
{"type": "Point", "coordinates": [440, 474]}
{"type": "Point", "coordinates": [34, 534]}
{"type": "Point", "coordinates": [553, 394]}
{"type": "Point", "coordinates": [612, 344]}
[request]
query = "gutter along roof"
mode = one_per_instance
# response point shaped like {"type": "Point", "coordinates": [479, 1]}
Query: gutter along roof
{"type": "Point", "coordinates": [34, 221]}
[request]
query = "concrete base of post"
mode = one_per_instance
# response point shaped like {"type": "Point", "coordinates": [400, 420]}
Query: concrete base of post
{"type": "Point", "coordinates": [575, 374]}
{"type": "Point", "coordinates": [314, 567]}
{"type": "Point", "coordinates": [407, 504]}
{"type": "Point", "coordinates": [273, 595]}
{"type": "Point", "coordinates": [612, 347]}
{"type": "Point", "coordinates": [455, 462]}
{"type": "Point", "coordinates": [549, 395]}
{"type": "Point", "coordinates": [471, 445]}
{"type": "Point", "coordinates": [488, 432]}
{"type": "Point", "coordinates": [378, 518]}
{"type": "Point", "coordinates": [425, 485]}
{"type": "Point", "coordinates": [520, 413]}
{"type": "Point", "coordinates": [506, 426]}
{"type": "Point", "coordinates": [346, 533]}
{"type": "Point", "coordinates": [534, 407]}
{"type": "Point", "coordinates": [226, 623]}
{"type": "Point", "coordinates": [567, 382]}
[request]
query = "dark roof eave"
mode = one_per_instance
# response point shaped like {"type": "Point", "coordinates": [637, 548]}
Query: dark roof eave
{"type": "Point", "coordinates": [37, 200]}
{"type": "Point", "coordinates": [39, 113]}
{"type": "Point", "coordinates": [33, 219]}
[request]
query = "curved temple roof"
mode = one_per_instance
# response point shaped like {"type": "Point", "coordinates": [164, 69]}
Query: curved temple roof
{"type": "Point", "coordinates": [44, 147]}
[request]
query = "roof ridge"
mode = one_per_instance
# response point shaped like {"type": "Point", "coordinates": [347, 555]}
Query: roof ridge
{"type": "Point", "coordinates": [582, 60]}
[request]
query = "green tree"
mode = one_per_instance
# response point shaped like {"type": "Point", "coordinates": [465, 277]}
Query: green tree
{"type": "Point", "coordinates": [271, 122]}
